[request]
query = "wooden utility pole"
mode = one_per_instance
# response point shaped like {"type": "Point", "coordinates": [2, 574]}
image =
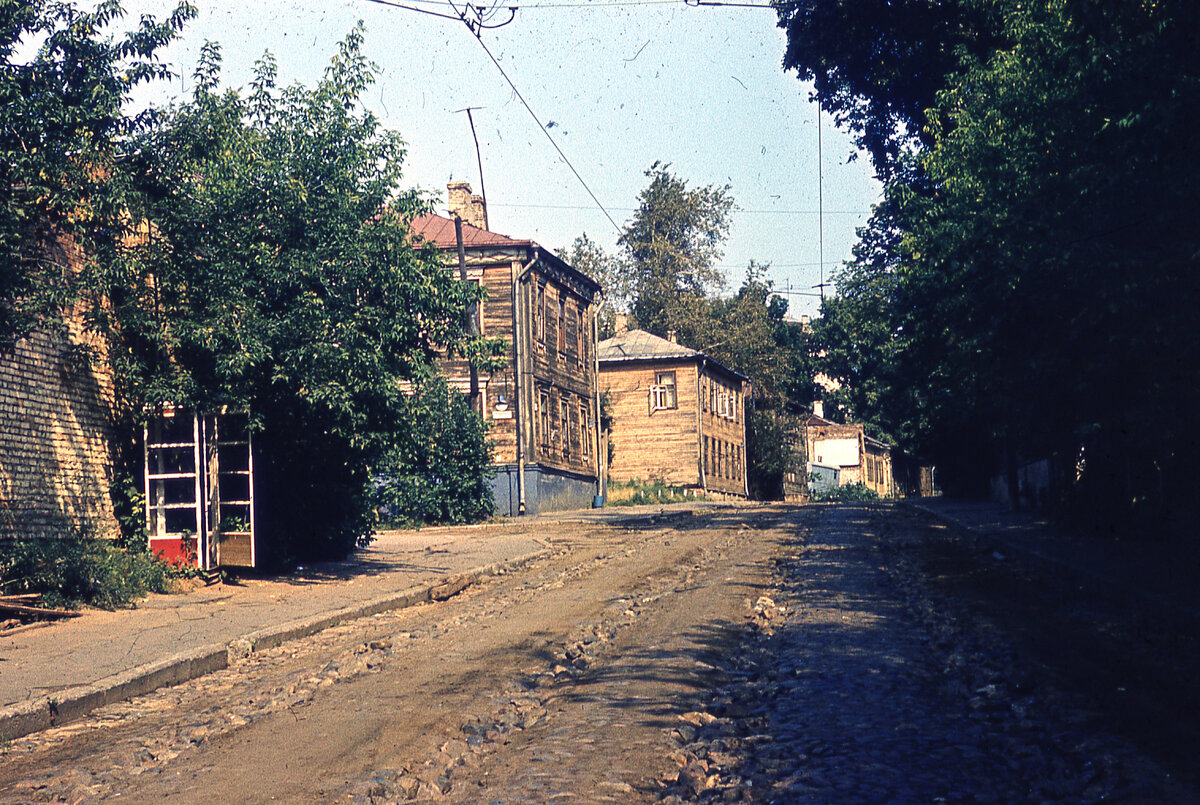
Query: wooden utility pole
{"type": "Point", "coordinates": [469, 316]}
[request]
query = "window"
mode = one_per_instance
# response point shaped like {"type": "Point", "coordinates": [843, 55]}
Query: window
{"type": "Point", "coordinates": [539, 316]}
{"type": "Point", "coordinates": [585, 337]}
{"type": "Point", "coordinates": [662, 393]}
{"type": "Point", "coordinates": [562, 322]}
{"type": "Point", "coordinates": [570, 331]}
{"type": "Point", "coordinates": [564, 424]}
{"type": "Point", "coordinates": [585, 432]}
{"type": "Point", "coordinates": [544, 416]}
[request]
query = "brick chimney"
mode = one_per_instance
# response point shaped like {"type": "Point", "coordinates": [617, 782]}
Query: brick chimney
{"type": "Point", "coordinates": [466, 205]}
{"type": "Point", "coordinates": [672, 337]}
{"type": "Point", "coordinates": [621, 323]}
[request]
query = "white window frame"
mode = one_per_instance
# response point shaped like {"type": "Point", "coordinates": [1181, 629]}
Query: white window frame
{"type": "Point", "coordinates": [664, 396]}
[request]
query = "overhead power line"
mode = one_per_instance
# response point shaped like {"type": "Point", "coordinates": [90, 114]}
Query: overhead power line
{"type": "Point", "coordinates": [482, 15]}
{"type": "Point", "coordinates": [633, 209]}
{"type": "Point", "coordinates": [546, 131]}
{"type": "Point", "coordinates": [563, 4]}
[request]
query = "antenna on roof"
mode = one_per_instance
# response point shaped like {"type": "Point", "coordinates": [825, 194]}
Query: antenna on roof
{"type": "Point", "coordinates": [479, 159]}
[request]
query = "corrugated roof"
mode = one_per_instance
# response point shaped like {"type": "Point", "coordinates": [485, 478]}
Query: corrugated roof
{"type": "Point", "coordinates": [439, 231]}
{"type": "Point", "coordinates": [636, 344]}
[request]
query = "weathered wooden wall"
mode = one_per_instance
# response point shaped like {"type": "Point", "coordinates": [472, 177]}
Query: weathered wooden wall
{"type": "Point", "coordinates": [724, 437]}
{"type": "Point", "coordinates": [561, 368]}
{"type": "Point", "coordinates": [555, 358]}
{"type": "Point", "coordinates": [653, 446]}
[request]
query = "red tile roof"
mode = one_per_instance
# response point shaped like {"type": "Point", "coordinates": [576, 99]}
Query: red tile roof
{"type": "Point", "coordinates": [439, 231]}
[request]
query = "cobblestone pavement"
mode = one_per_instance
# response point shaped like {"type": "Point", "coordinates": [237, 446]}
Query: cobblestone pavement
{"type": "Point", "coordinates": [857, 683]}
{"type": "Point", "coordinates": [781, 654]}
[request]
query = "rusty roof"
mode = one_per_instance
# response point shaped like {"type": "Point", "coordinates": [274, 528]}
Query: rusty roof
{"type": "Point", "coordinates": [439, 231]}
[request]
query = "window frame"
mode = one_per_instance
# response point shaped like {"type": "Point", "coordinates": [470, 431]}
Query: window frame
{"type": "Point", "coordinates": [562, 322]}
{"type": "Point", "coordinates": [669, 394]}
{"type": "Point", "coordinates": [539, 315]}
{"type": "Point", "coordinates": [564, 416]}
{"type": "Point", "coordinates": [544, 416]}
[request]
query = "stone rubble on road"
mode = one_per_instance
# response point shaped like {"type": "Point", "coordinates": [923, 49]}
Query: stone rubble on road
{"type": "Point", "coordinates": [854, 685]}
{"type": "Point", "coordinates": [851, 682]}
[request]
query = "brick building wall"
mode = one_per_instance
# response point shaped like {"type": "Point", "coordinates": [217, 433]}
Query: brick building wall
{"type": "Point", "coordinates": [55, 464]}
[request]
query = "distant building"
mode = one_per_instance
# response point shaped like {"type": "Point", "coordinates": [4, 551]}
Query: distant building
{"type": "Point", "coordinates": [542, 409]}
{"type": "Point", "coordinates": [856, 457]}
{"type": "Point", "coordinates": [678, 415]}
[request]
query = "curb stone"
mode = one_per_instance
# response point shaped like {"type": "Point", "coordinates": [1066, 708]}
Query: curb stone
{"type": "Point", "coordinates": [73, 703]}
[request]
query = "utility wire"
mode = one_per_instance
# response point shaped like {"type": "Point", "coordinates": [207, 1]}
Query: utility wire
{"type": "Point", "coordinates": [632, 209]}
{"type": "Point", "coordinates": [475, 26]}
{"type": "Point", "coordinates": [567, 4]}
{"type": "Point", "coordinates": [455, 17]}
{"type": "Point", "coordinates": [546, 131]}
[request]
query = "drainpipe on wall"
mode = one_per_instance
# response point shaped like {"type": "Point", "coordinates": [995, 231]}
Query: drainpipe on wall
{"type": "Point", "coordinates": [519, 400]}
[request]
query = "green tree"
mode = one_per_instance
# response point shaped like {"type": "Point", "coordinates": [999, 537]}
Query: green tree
{"type": "Point", "coordinates": [1026, 288]}
{"type": "Point", "coordinates": [748, 333]}
{"type": "Point", "coordinates": [62, 124]}
{"type": "Point", "coordinates": [271, 267]}
{"type": "Point", "coordinates": [672, 246]}
{"type": "Point", "coordinates": [613, 274]}
{"type": "Point", "coordinates": [878, 65]}
{"type": "Point", "coordinates": [432, 474]}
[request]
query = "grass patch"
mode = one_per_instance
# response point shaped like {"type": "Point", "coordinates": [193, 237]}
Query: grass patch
{"type": "Point", "coordinates": [77, 570]}
{"type": "Point", "coordinates": [636, 493]}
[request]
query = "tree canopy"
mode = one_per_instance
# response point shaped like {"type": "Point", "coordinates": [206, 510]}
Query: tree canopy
{"type": "Point", "coordinates": [248, 249]}
{"type": "Point", "coordinates": [64, 83]}
{"type": "Point", "coordinates": [1026, 288]}
{"type": "Point", "coordinates": [271, 267]}
{"type": "Point", "coordinates": [672, 246]}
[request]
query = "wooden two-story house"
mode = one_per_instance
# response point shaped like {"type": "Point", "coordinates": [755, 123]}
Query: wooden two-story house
{"type": "Point", "coordinates": [678, 416]}
{"type": "Point", "coordinates": [542, 408]}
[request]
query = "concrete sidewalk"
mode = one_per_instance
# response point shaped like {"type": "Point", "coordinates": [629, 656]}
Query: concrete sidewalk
{"type": "Point", "coordinates": [1158, 572]}
{"type": "Point", "coordinates": [57, 672]}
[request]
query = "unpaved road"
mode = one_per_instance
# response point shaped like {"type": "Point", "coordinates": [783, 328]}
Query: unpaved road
{"type": "Point", "coordinates": [763, 654]}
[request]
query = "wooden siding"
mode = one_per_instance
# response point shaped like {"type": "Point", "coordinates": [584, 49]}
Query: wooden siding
{"type": "Point", "coordinates": [567, 375]}
{"type": "Point", "coordinates": [724, 429]}
{"type": "Point", "coordinates": [653, 446]}
{"type": "Point", "coordinates": [561, 373]}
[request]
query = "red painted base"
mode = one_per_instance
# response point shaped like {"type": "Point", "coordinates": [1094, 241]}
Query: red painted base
{"type": "Point", "coordinates": [175, 551]}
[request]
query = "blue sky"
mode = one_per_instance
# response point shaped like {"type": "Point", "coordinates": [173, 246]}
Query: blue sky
{"type": "Point", "coordinates": [619, 86]}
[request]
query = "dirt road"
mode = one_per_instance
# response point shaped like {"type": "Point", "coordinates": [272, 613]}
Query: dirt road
{"type": "Point", "coordinates": [768, 654]}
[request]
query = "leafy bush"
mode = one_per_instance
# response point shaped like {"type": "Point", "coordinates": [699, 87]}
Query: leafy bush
{"type": "Point", "coordinates": [857, 492]}
{"type": "Point", "coordinates": [440, 471]}
{"type": "Point", "coordinates": [79, 569]}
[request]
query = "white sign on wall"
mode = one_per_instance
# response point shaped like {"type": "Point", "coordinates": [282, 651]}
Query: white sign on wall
{"type": "Point", "coordinates": [836, 452]}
